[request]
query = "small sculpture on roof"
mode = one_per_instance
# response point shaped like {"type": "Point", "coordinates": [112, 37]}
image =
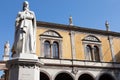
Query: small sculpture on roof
{"type": "Point", "coordinates": [70, 21]}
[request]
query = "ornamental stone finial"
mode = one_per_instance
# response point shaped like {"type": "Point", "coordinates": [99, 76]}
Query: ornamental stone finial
{"type": "Point", "coordinates": [70, 21]}
{"type": "Point", "coordinates": [107, 25]}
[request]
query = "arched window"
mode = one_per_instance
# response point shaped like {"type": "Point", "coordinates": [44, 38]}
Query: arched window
{"type": "Point", "coordinates": [47, 49]}
{"type": "Point", "coordinates": [92, 47]}
{"type": "Point", "coordinates": [96, 53]}
{"type": "Point", "coordinates": [51, 44]}
{"type": "Point", "coordinates": [55, 50]}
{"type": "Point", "coordinates": [89, 52]}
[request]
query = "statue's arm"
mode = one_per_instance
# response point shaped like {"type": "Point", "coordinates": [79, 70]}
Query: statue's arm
{"type": "Point", "coordinates": [19, 17]}
{"type": "Point", "coordinates": [17, 20]}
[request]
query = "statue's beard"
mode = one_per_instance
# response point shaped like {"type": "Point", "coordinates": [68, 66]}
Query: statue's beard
{"type": "Point", "coordinates": [25, 8]}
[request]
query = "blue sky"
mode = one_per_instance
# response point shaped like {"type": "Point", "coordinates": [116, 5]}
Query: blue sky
{"type": "Point", "coordinates": [85, 13]}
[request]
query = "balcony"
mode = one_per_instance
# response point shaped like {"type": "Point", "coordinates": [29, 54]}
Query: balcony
{"type": "Point", "coordinates": [79, 63]}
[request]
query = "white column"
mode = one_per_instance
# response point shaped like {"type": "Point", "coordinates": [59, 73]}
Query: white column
{"type": "Point", "coordinates": [72, 36]}
{"type": "Point", "coordinates": [60, 49]}
{"type": "Point", "coordinates": [112, 48]}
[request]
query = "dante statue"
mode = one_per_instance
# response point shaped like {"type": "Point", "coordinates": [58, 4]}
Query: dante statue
{"type": "Point", "coordinates": [25, 31]}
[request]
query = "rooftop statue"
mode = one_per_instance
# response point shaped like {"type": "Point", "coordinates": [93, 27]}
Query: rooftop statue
{"type": "Point", "coordinates": [25, 31]}
{"type": "Point", "coordinates": [6, 51]}
{"type": "Point", "coordinates": [7, 48]}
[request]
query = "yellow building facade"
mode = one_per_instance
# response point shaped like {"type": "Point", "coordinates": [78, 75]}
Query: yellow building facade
{"type": "Point", "coordinates": [77, 52]}
{"type": "Point", "coordinates": [79, 34]}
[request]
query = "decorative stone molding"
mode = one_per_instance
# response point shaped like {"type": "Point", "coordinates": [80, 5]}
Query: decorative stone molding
{"type": "Point", "coordinates": [91, 38]}
{"type": "Point", "coordinates": [75, 70]}
{"type": "Point", "coordinates": [51, 33]}
{"type": "Point", "coordinates": [76, 28]}
{"type": "Point", "coordinates": [23, 63]}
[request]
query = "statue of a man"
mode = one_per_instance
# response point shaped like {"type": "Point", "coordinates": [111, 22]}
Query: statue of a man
{"type": "Point", "coordinates": [25, 31]}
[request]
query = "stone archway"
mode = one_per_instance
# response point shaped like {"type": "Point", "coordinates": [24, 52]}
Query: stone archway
{"type": "Point", "coordinates": [106, 77]}
{"type": "Point", "coordinates": [85, 77]}
{"type": "Point", "coordinates": [64, 76]}
{"type": "Point", "coordinates": [44, 76]}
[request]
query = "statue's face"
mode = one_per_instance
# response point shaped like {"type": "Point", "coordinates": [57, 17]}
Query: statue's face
{"type": "Point", "coordinates": [25, 5]}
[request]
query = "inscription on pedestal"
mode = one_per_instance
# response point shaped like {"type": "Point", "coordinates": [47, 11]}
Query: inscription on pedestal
{"type": "Point", "coordinates": [26, 74]}
{"type": "Point", "coordinates": [25, 77]}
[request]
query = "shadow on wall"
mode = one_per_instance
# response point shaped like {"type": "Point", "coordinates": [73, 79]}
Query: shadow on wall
{"type": "Point", "coordinates": [115, 74]}
{"type": "Point", "coordinates": [118, 57]}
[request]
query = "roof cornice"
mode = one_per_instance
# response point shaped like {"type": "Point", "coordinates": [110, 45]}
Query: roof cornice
{"type": "Point", "coordinates": [76, 28]}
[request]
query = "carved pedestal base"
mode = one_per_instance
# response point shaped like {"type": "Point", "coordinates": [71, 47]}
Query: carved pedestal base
{"type": "Point", "coordinates": [24, 68]}
{"type": "Point", "coordinates": [25, 56]}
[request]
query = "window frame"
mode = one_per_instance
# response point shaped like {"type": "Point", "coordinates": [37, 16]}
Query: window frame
{"type": "Point", "coordinates": [97, 53]}
{"type": "Point", "coordinates": [47, 49]}
{"type": "Point", "coordinates": [51, 38]}
{"type": "Point", "coordinates": [56, 49]}
{"type": "Point", "coordinates": [92, 44]}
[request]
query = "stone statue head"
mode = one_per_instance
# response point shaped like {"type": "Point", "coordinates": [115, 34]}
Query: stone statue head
{"type": "Point", "coordinates": [7, 44]}
{"type": "Point", "coordinates": [25, 5]}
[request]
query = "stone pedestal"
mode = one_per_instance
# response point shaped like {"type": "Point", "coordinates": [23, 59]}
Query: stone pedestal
{"type": "Point", "coordinates": [5, 57]}
{"type": "Point", "coordinates": [25, 56]}
{"type": "Point", "coordinates": [24, 67]}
